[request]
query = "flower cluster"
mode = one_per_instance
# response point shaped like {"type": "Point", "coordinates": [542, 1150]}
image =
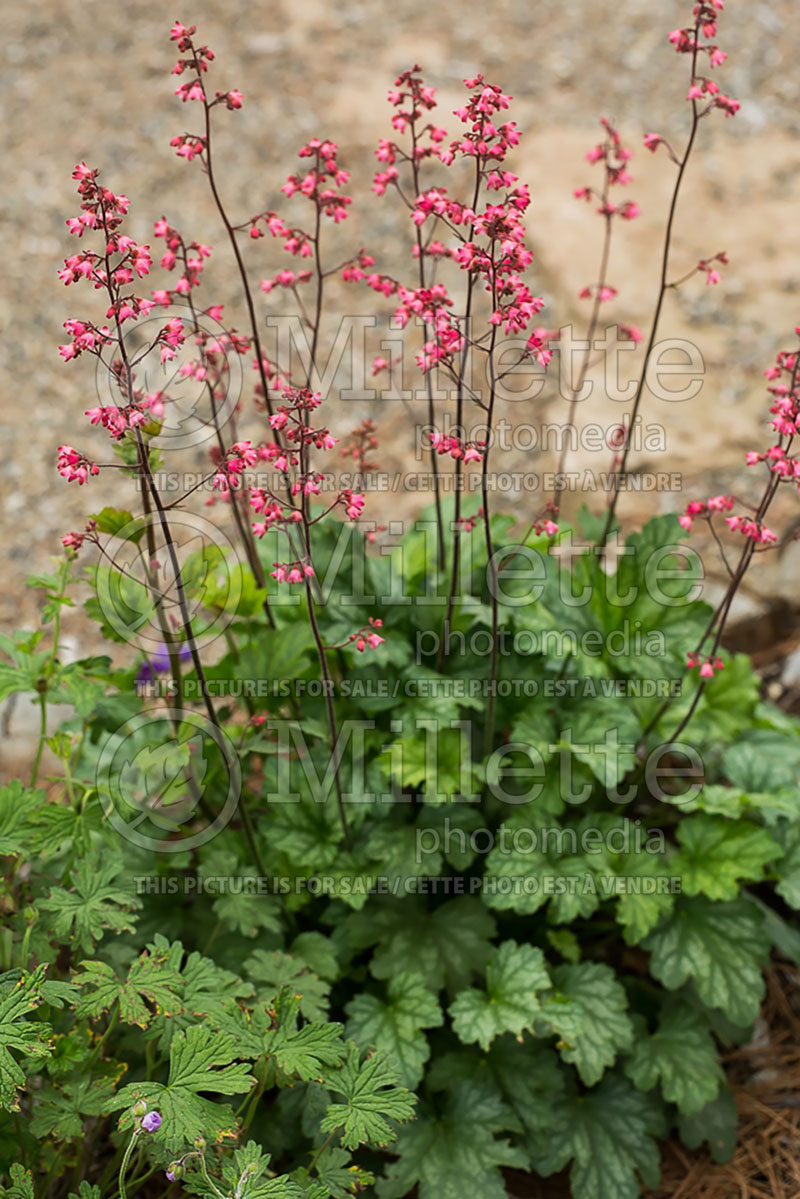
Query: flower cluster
{"type": "Point", "coordinates": [74, 541]}
{"type": "Point", "coordinates": [292, 458]}
{"type": "Point", "coordinates": [362, 441]}
{"type": "Point", "coordinates": [697, 39]}
{"type": "Point", "coordinates": [121, 262]}
{"type": "Point", "coordinates": [285, 278]}
{"type": "Point", "coordinates": [74, 466]}
{"type": "Point", "coordinates": [272, 511]}
{"type": "Point", "coordinates": [615, 158]}
{"type": "Point", "coordinates": [367, 635]}
{"type": "Point", "coordinates": [780, 462]}
{"type": "Point", "coordinates": [195, 60]}
{"type": "Point", "coordinates": [176, 253]}
{"type": "Point", "coordinates": [739, 524]}
{"type": "Point", "coordinates": [697, 510]}
{"type": "Point", "coordinates": [707, 264]}
{"type": "Point", "coordinates": [292, 572]}
{"type": "Point", "coordinates": [467, 451]}
{"type": "Point", "coordinates": [544, 523]}
{"type": "Point", "coordinates": [489, 241]}
{"type": "Point", "coordinates": [783, 465]}
{"type": "Point", "coordinates": [117, 421]}
{"type": "Point", "coordinates": [412, 99]}
{"type": "Point", "coordinates": [751, 528]}
{"type": "Point", "coordinates": [232, 464]}
{"type": "Point", "coordinates": [113, 271]}
{"type": "Point", "coordinates": [707, 664]}
{"type": "Point", "coordinates": [317, 181]}
{"type": "Point", "coordinates": [785, 392]}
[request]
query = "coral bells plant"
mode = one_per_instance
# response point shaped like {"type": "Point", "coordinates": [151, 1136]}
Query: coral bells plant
{"type": "Point", "coordinates": [382, 859]}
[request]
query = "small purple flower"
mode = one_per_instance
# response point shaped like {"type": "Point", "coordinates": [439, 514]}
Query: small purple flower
{"type": "Point", "coordinates": [151, 1122]}
{"type": "Point", "coordinates": [158, 663]}
{"type": "Point", "coordinates": [172, 1177]}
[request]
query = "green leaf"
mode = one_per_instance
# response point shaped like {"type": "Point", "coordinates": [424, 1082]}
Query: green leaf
{"type": "Point", "coordinates": [607, 1134]}
{"type": "Point", "coordinates": [54, 824]}
{"type": "Point", "coordinates": [29, 1037]}
{"type": "Point", "coordinates": [727, 706]}
{"type": "Point", "coordinates": [526, 1075]}
{"type": "Point", "coordinates": [279, 970]}
{"type": "Point", "coordinates": [308, 1053]}
{"type": "Point", "coordinates": [717, 1124]}
{"type": "Point", "coordinates": [788, 868]}
{"type": "Point", "coordinates": [604, 736]}
{"type": "Point", "coordinates": [448, 946]}
{"type": "Point", "coordinates": [149, 978]}
{"type": "Point", "coordinates": [372, 1099]}
{"type": "Point", "coordinates": [236, 591]}
{"type": "Point", "coordinates": [515, 977]}
{"type": "Point", "coordinates": [248, 912]}
{"type": "Point", "coordinates": [717, 945]}
{"type": "Point", "coordinates": [641, 902]}
{"type": "Point", "coordinates": [597, 1026]}
{"type": "Point", "coordinates": [564, 941]}
{"type": "Point", "coordinates": [549, 867]}
{"type": "Point", "coordinates": [394, 1026]}
{"type": "Point", "coordinates": [277, 654]}
{"type": "Point", "coordinates": [17, 804]}
{"type": "Point", "coordinates": [683, 1056]}
{"type": "Point", "coordinates": [717, 854]}
{"type": "Point", "coordinates": [782, 936]}
{"type": "Point", "coordinates": [248, 1176]}
{"type": "Point", "coordinates": [21, 1184]}
{"type": "Point", "coordinates": [86, 1190]}
{"type": "Point", "coordinates": [335, 1169]}
{"type": "Point", "coordinates": [115, 521]}
{"type": "Point", "coordinates": [434, 761]}
{"type": "Point", "coordinates": [456, 1153]}
{"type": "Point", "coordinates": [200, 1060]}
{"type": "Point", "coordinates": [61, 1113]}
{"type": "Point", "coordinates": [92, 905]}
{"type": "Point", "coordinates": [207, 990]}
{"type": "Point", "coordinates": [318, 953]}
{"type": "Point", "coordinates": [763, 760]}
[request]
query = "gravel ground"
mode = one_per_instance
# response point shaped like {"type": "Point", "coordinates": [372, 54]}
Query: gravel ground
{"type": "Point", "coordinates": [91, 81]}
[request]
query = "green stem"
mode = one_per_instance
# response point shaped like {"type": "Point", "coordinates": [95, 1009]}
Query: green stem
{"type": "Point", "coordinates": [328, 1140]}
{"type": "Point", "coordinates": [109, 1029]}
{"type": "Point", "coordinates": [42, 736]}
{"type": "Point", "coordinates": [259, 1091]}
{"type": "Point", "coordinates": [125, 1160]}
{"type": "Point", "coordinates": [137, 1182]}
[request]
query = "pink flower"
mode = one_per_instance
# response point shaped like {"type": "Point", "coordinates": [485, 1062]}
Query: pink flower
{"type": "Point", "coordinates": [74, 466]}
{"type": "Point", "coordinates": [179, 31]}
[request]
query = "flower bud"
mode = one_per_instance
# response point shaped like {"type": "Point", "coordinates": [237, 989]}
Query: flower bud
{"type": "Point", "coordinates": [139, 1109]}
